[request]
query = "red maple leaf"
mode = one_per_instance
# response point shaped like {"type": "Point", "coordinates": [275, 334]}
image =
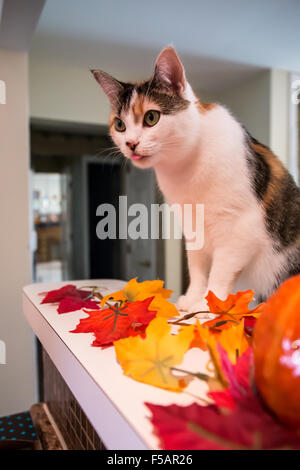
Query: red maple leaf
{"type": "Point", "coordinates": [198, 427]}
{"type": "Point", "coordinates": [69, 290]}
{"type": "Point", "coordinates": [71, 304]}
{"type": "Point", "coordinates": [111, 324]}
{"type": "Point", "coordinates": [70, 299]}
{"type": "Point", "coordinates": [99, 341]}
{"type": "Point", "coordinates": [249, 325]}
{"type": "Point", "coordinates": [238, 378]}
{"type": "Point", "coordinates": [246, 424]}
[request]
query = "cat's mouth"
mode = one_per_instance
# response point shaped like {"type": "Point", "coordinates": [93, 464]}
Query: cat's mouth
{"type": "Point", "coordinates": [136, 156]}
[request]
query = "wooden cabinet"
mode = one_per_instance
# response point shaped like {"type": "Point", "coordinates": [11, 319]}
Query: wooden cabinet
{"type": "Point", "coordinates": [49, 240]}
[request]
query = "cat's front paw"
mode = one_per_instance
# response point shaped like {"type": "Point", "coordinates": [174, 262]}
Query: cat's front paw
{"type": "Point", "coordinates": [183, 303]}
{"type": "Point", "coordinates": [190, 304]}
{"type": "Point", "coordinates": [201, 307]}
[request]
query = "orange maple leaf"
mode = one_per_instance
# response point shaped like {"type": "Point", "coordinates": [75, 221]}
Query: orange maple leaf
{"type": "Point", "coordinates": [232, 310]}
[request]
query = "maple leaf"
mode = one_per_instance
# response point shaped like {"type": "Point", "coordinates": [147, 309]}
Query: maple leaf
{"type": "Point", "coordinates": [197, 427]}
{"type": "Point", "coordinates": [232, 310]}
{"type": "Point", "coordinates": [236, 420]}
{"type": "Point", "coordinates": [71, 304]}
{"type": "Point", "coordinates": [127, 332]}
{"type": "Point", "coordinates": [150, 360]}
{"type": "Point", "coordinates": [135, 290]}
{"type": "Point", "coordinates": [201, 334]}
{"type": "Point", "coordinates": [233, 340]}
{"type": "Point", "coordinates": [238, 380]}
{"type": "Point", "coordinates": [69, 290]}
{"type": "Point", "coordinates": [70, 299]}
{"type": "Point", "coordinates": [249, 325]}
{"type": "Point", "coordinates": [111, 324]}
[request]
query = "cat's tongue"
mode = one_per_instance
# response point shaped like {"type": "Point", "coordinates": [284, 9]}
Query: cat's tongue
{"type": "Point", "coordinates": [136, 157]}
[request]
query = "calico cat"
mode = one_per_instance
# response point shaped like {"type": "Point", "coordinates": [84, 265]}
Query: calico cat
{"type": "Point", "coordinates": [202, 154]}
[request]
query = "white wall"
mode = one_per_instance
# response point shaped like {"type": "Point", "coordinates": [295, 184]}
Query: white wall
{"type": "Point", "coordinates": [280, 95]}
{"type": "Point", "coordinates": [66, 93]}
{"type": "Point", "coordinates": [262, 105]}
{"type": "Point", "coordinates": [17, 380]}
{"type": "Point", "coordinates": [250, 103]}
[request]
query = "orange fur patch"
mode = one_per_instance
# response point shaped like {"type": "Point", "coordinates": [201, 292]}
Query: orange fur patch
{"type": "Point", "coordinates": [205, 107]}
{"type": "Point", "coordinates": [277, 170]}
{"type": "Point", "coordinates": [138, 109]}
{"type": "Point", "coordinates": [111, 120]}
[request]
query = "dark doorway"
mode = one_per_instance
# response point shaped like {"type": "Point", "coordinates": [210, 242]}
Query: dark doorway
{"type": "Point", "coordinates": [104, 186]}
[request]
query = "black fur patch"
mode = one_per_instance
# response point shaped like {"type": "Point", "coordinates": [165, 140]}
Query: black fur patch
{"type": "Point", "coordinates": [259, 169]}
{"type": "Point", "coordinates": [125, 97]}
{"type": "Point", "coordinates": [282, 213]}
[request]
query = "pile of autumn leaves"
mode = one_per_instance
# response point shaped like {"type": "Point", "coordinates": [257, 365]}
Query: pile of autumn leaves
{"type": "Point", "coordinates": [136, 320]}
{"type": "Point", "coordinates": [151, 340]}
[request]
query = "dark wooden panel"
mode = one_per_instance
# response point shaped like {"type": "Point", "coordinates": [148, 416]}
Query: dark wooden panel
{"type": "Point", "coordinates": [70, 419]}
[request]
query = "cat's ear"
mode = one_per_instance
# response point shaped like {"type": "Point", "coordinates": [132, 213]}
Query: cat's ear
{"type": "Point", "coordinates": [169, 70]}
{"type": "Point", "coordinates": [111, 87]}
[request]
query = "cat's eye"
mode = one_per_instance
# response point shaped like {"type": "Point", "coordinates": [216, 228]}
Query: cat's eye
{"type": "Point", "coordinates": [119, 125]}
{"type": "Point", "coordinates": [151, 118]}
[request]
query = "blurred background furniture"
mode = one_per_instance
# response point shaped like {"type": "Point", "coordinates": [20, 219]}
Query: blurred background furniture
{"type": "Point", "coordinates": [29, 430]}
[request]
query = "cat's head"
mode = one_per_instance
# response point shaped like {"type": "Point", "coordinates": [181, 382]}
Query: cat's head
{"type": "Point", "coordinates": [149, 120]}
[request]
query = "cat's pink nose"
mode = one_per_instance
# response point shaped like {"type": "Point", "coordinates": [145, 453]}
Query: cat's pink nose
{"type": "Point", "coordinates": [132, 144]}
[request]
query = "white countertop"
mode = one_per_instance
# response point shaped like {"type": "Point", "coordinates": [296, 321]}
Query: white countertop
{"type": "Point", "coordinates": [113, 403]}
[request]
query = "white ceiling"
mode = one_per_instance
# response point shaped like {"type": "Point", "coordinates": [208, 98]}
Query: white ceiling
{"type": "Point", "coordinates": [221, 41]}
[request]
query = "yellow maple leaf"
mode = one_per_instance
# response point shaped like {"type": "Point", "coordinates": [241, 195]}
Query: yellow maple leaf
{"type": "Point", "coordinates": [135, 290]}
{"type": "Point", "coordinates": [163, 307]}
{"type": "Point", "coordinates": [234, 341]}
{"type": "Point", "coordinates": [150, 360]}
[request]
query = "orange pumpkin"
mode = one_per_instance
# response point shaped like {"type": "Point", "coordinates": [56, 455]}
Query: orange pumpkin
{"type": "Point", "coordinates": [276, 347]}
